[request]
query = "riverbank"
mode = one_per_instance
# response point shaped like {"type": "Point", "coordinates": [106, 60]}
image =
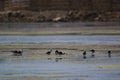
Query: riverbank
{"type": "Point", "coordinates": [69, 28]}
{"type": "Point", "coordinates": [59, 16]}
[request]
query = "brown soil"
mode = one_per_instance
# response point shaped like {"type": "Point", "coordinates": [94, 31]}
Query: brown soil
{"type": "Point", "coordinates": [58, 16]}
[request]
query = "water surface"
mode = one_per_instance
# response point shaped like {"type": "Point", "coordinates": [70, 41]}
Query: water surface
{"type": "Point", "coordinates": [62, 70]}
{"type": "Point", "coordinates": [82, 39]}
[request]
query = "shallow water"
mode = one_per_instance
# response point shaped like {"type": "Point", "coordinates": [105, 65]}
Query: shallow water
{"type": "Point", "coordinates": [65, 69]}
{"type": "Point", "coordinates": [82, 39]}
{"type": "Point", "coordinates": [71, 69]}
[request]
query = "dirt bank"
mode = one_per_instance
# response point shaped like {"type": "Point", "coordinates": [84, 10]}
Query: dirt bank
{"type": "Point", "coordinates": [58, 16]}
